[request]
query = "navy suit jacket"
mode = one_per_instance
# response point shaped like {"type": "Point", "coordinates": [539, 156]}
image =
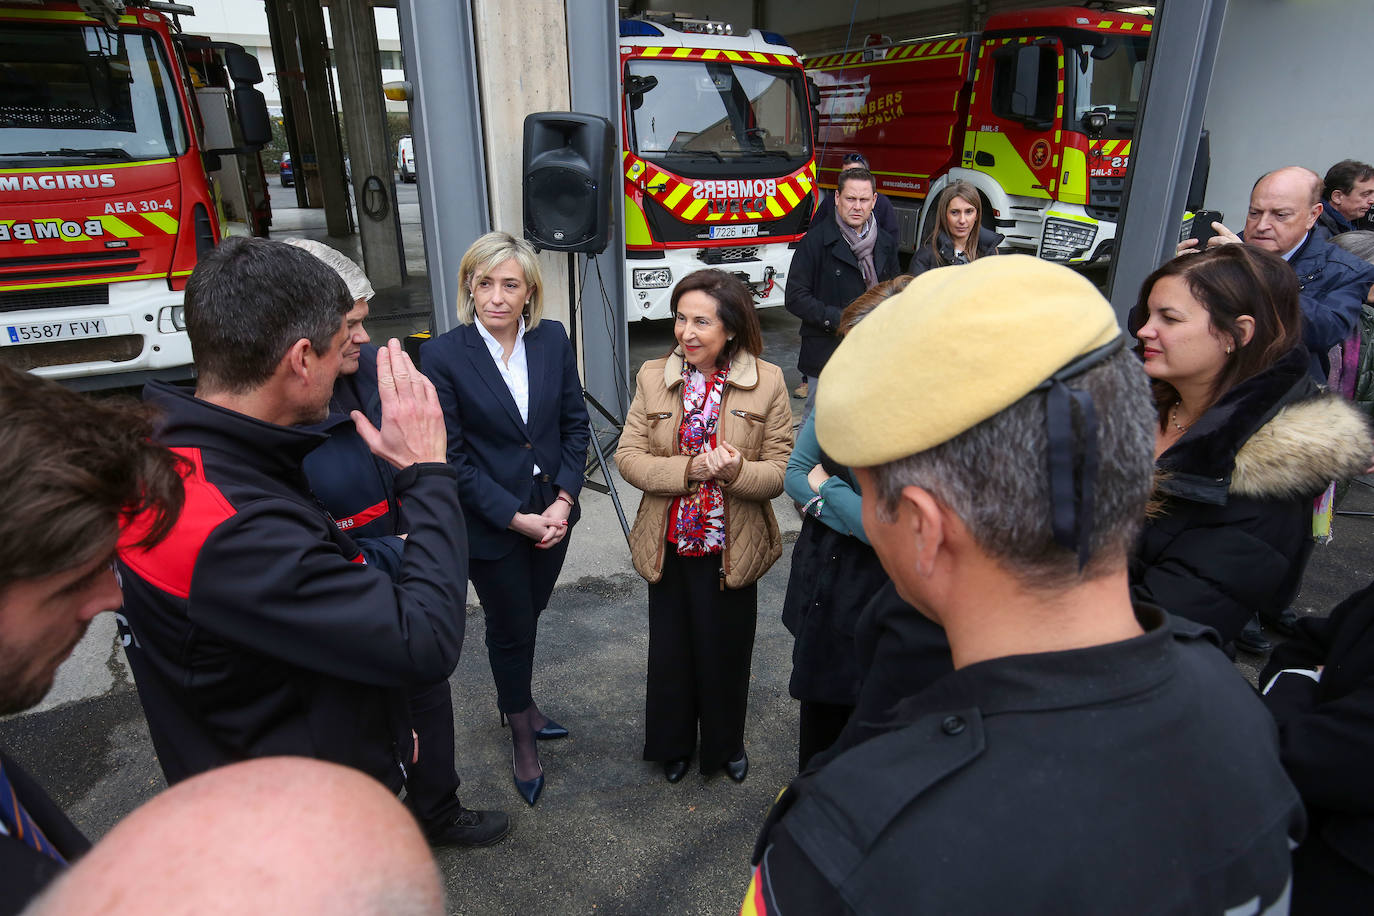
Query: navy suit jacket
{"type": "Point", "coordinates": [492, 449]}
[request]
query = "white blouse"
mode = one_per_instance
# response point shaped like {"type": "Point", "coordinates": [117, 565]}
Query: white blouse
{"type": "Point", "coordinates": [515, 372]}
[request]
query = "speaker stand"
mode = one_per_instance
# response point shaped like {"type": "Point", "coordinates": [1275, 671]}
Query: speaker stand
{"type": "Point", "coordinates": [592, 403]}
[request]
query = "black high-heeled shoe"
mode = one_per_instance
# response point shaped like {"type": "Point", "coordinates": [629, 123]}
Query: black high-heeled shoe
{"type": "Point", "coordinates": [549, 732]}
{"type": "Point", "coordinates": [738, 768]}
{"type": "Point", "coordinates": [529, 789]}
{"type": "Point", "coordinates": [674, 770]}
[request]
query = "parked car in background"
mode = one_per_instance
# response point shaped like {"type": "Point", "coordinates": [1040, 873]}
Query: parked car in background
{"type": "Point", "coordinates": [405, 159]}
{"type": "Point", "coordinates": [288, 174]}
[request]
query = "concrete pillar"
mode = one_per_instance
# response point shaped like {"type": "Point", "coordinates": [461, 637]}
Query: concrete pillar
{"type": "Point", "coordinates": [370, 159]}
{"type": "Point", "coordinates": [523, 58]}
{"type": "Point", "coordinates": [290, 77]}
{"type": "Point", "coordinates": [328, 165]}
{"type": "Point", "coordinates": [1183, 50]}
{"type": "Point", "coordinates": [445, 120]}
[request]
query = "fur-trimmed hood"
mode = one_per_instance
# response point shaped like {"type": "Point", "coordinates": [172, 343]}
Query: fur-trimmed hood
{"type": "Point", "coordinates": [1274, 436]}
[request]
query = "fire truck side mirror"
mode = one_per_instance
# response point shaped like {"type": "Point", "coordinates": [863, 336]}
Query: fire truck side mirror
{"type": "Point", "coordinates": [254, 123]}
{"type": "Point", "coordinates": [243, 67]}
{"type": "Point", "coordinates": [813, 93]}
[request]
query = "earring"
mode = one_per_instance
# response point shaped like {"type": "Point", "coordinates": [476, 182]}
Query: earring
{"type": "Point", "coordinates": [1228, 349]}
{"type": "Point", "coordinates": [729, 339]}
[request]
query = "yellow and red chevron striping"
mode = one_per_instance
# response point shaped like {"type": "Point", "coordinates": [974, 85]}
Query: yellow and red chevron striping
{"type": "Point", "coordinates": [737, 57]}
{"type": "Point", "coordinates": [911, 51]}
{"type": "Point", "coordinates": [1111, 147]}
{"type": "Point", "coordinates": [690, 200]}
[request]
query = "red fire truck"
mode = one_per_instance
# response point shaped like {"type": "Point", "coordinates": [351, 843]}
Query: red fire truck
{"type": "Point", "coordinates": [105, 205]}
{"type": "Point", "coordinates": [1036, 111]}
{"type": "Point", "coordinates": [719, 169]}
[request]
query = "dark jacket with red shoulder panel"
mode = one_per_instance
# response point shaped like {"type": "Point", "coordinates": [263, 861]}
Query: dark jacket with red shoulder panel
{"type": "Point", "coordinates": [257, 628]}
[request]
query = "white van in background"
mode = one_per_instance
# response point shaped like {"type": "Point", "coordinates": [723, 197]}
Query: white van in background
{"type": "Point", "coordinates": [405, 159]}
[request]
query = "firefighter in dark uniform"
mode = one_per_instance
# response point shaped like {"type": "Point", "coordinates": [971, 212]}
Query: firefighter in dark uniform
{"type": "Point", "coordinates": [1085, 754]}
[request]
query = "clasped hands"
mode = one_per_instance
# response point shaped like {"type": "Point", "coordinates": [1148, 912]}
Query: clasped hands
{"type": "Point", "coordinates": [720, 463]}
{"type": "Point", "coordinates": [546, 528]}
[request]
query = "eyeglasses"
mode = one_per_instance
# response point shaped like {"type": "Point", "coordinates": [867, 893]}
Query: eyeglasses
{"type": "Point", "coordinates": [854, 157]}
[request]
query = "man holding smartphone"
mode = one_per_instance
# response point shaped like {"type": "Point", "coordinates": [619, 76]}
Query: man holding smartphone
{"type": "Point", "coordinates": [1284, 207]}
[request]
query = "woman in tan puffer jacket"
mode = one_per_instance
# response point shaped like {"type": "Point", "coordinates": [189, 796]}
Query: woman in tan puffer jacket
{"type": "Point", "coordinates": [707, 440]}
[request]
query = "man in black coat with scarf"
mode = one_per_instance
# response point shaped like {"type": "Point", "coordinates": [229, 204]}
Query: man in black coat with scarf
{"type": "Point", "coordinates": [838, 260]}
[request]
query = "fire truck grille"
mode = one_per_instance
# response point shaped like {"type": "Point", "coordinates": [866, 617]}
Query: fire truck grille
{"type": "Point", "coordinates": [62, 297]}
{"type": "Point", "coordinates": [1104, 197]}
{"type": "Point", "coordinates": [75, 266]}
{"type": "Point", "coordinates": [728, 255]}
{"type": "Point", "coordinates": [33, 356]}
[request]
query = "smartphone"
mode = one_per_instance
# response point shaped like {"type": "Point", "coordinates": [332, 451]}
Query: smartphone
{"type": "Point", "coordinates": [1202, 226]}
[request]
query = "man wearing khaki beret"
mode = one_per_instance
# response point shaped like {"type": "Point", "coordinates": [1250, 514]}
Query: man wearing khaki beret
{"type": "Point", "coordinates": [1086, 754]}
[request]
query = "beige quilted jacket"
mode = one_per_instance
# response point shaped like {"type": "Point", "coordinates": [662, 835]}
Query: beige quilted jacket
{"type": "Point", "coordinates": [756, 418]}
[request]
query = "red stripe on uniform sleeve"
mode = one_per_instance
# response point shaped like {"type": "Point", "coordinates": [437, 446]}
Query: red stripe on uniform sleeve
{"type": "Point", "coordinates": [358, 519]}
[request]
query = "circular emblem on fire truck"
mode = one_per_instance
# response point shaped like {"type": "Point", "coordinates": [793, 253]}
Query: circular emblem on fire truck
{"type": "Point", "coordinates": [1039, 153]}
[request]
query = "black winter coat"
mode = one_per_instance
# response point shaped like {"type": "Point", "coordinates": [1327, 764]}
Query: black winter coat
{"type": "Point", "coordinates": [1326, 733]}
{"type": "Point", "coordinates": [900, 652]}
{"type": "Point", "coordinates": [833, 577]}
{"type": "Point", "coordinates": [823, 279]}
{"type": "Point", "coordinates": [924, 259]}
{"type": "Point", "coordinates": [1234, 531]}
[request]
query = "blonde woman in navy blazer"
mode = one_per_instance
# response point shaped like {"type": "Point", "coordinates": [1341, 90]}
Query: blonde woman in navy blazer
{"type": "Point", "coordinates": [517, 435]}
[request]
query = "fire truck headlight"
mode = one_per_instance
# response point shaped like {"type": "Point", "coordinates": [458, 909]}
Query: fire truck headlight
{"type": "Point", "coordinates": [171, 318]}
{"type": "Point", "coordinates": [653, 278]}
{"type": "Point", "coordinates": [1065, 239]}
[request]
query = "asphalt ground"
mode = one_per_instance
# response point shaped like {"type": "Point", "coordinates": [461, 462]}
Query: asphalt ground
{"type": "Point", "coordinates": [609, 835]}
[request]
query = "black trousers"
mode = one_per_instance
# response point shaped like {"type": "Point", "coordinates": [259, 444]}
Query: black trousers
{"type": "Point", "coordinates": [820, 724]}
{"type": "Point", "coordinates": [432, 781]}
{"type": "Point", "coordinates": [514, 590]}
{"type": "Point", "coordinates": [701, 640]}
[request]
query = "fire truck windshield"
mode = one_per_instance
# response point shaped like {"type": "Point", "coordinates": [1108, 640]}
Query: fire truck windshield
{"type": "Point", "coordinates": [82, 92]}
{"type": "Point", "coordinates": [716, 111]}
{"type": "Point", "coordinates": [1106, 77]}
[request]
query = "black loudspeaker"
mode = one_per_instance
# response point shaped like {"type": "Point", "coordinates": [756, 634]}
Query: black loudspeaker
{"type": "Point", "coordinates": [568, 181]}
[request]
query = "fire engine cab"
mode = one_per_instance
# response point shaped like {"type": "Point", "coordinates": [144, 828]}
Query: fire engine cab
{"type": "Point", "coordinates": [105, 203]}
{"type": "Point", "coordinates": [1036, 111]}
{"type": "Point", "coordinates": [718, 162]}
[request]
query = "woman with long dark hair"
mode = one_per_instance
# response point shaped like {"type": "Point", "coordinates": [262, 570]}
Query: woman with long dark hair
{"type": "Point", "coordinates": [1245, 438]}
{"type": "Point", "coordinates": [707, 439]}
{"type": "Point", "coordinates": [957, 235]}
